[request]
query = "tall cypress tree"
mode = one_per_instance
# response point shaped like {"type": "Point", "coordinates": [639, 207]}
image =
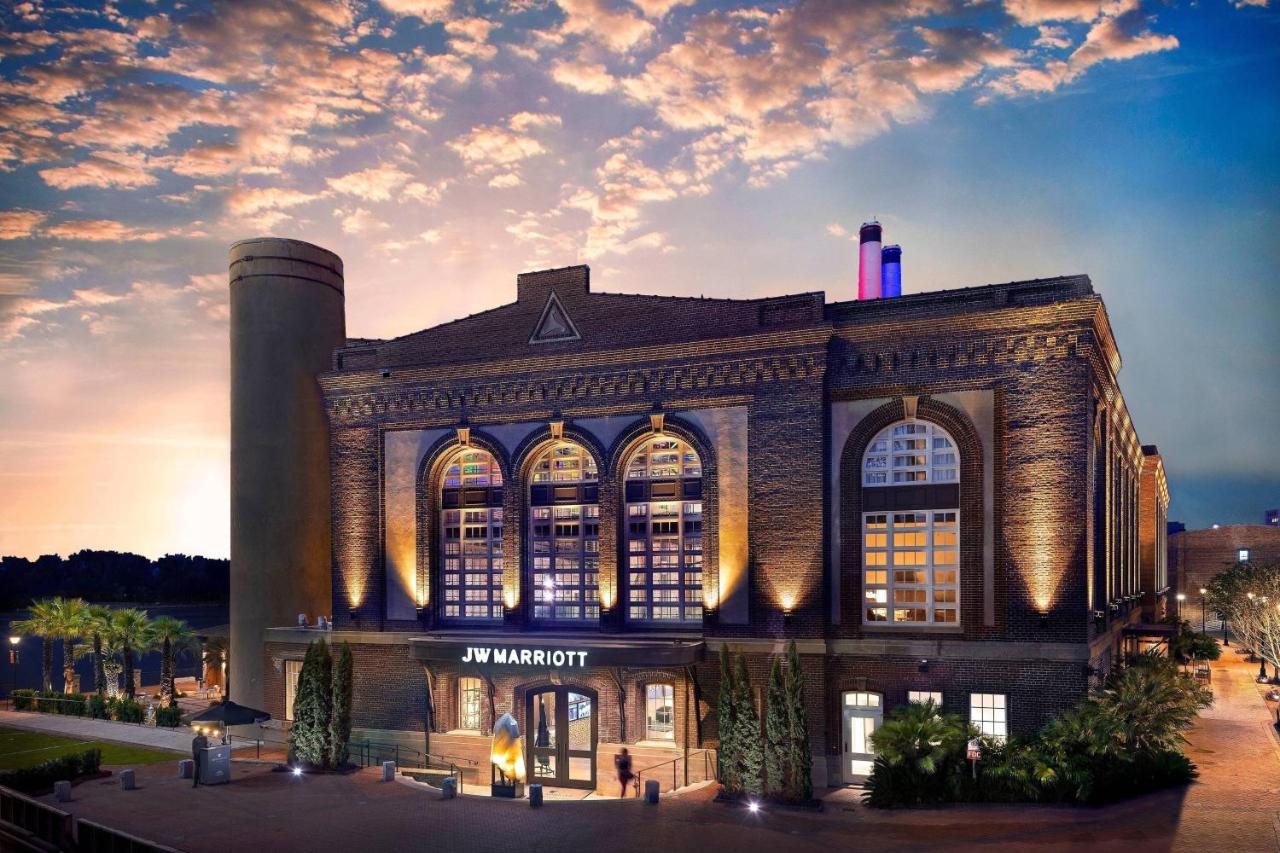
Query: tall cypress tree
{"type": "Point", "coordinates": [727, 754]}
{"type": "Point", "coordinates": [340, 721]}
{"type": "Point", "coordinates": [801, 770]}
{"type": "Point", "coordinates": [777, 734]}
{"type": "Point", "coordinates": [746, 727]}
{"type": "Point", "coordinates": [313, 707]}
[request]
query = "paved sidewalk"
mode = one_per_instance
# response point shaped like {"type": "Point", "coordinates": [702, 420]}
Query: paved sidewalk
{"type": "Point", "coordinates": [178, 740]}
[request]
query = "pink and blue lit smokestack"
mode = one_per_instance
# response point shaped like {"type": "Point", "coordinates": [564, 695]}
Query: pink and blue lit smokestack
{"type": "Point", "coordinates": [891, 271]}
{"type": "Point", "coordinates": [869, 284]}
{"type": "Point", "coordinates": [879, 267]}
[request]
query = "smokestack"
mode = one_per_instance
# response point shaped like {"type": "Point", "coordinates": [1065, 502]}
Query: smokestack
{"type": "Point", "coordinates": [891, 271]}
{"type": "Point", "coordinates": [869, 260]}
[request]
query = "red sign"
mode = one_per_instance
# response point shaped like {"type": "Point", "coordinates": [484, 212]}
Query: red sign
{"type": "Point", "coordinates": [974, 753]}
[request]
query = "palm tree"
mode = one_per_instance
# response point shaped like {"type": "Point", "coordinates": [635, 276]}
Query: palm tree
{"type": "Point", "coordinates": [174, 636]}
{"type": "Point", "coordinates": [97, 623]}
{"type": "Point", "coordinates": [70, 621]}
{"type": "Point", "coordinates": [129, 631]}
{"type": "Point", "coordinates": [42, 622]}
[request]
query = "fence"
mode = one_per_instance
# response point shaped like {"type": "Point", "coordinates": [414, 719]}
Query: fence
{"type": "Point", "coordinates": [30, 825]}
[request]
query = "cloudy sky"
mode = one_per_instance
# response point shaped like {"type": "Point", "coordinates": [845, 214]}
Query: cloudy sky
{"type": "Point", "coordinates": [678, 146]}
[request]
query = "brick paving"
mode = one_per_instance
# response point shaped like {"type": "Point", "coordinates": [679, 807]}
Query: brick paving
{"type": "Point", "coordinates": [1234, 806]}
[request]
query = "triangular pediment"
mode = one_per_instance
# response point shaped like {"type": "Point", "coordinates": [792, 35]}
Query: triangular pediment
{"type": "Point", "coordinates": [554, 324]}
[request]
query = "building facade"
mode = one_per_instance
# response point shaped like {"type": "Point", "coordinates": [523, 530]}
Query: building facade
{"type": "Point", "coordinates": [565, 507]}
{"type": "Point", "coordinates": [1195, 556]}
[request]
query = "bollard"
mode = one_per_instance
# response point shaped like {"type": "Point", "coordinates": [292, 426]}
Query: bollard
{"type": "Point", "coordinates": [448, 788]}
{"type": "Point", "coordinates": [62, 791]}
{"type": "Point", "coordinates": [535, 796]}
{"type": "Point", "coordinates": [388, 771]}
{"type": "Point", "coordinates": [186, 768]}
{"type": "Point", "coordinates": [126, 780]}
{"type": "Point", "coordinates": [651, 791]}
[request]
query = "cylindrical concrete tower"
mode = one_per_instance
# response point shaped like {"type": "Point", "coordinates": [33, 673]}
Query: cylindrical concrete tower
{"type": "Point", "coordinates": [869, 260]}
{"type": "Point", "coordinates": [891, 271]}
{"type": "Point", "coordinates": [287, 317]}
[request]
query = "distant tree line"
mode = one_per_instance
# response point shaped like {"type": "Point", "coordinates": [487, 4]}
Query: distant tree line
{"type": "Point", "coordinates": [114, 576]}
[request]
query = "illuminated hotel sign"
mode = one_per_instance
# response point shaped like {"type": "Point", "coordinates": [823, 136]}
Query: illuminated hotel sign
{"type": "Point", "coordinates": [524, 657]}
{"type": "Point", "coordinates": [525, 650]}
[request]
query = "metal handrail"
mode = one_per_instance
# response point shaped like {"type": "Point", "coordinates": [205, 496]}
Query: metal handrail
{"type": "Point", "coordinates": [707, 764]}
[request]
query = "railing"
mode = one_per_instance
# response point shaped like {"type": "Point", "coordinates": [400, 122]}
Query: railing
{"type": "Point", "coordinates": [656, 771]}
{"type": "Point", "coordinates": [54, 829]}
{"type": "Point", "coordinates": [45, 823]}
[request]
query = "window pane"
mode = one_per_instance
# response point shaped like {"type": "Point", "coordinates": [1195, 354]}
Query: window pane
{"type": "Point", "coordinates": [665, 552]}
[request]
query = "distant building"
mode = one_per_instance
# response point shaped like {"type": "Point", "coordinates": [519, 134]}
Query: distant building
{"type": "Point", "coordinates": [1272, 517]}
{"type": "Point", "coordinates": [1195, 556]}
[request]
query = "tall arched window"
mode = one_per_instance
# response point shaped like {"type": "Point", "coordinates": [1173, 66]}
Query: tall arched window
{"type": "Point", "coordinates": [911, 526]}
{"type": "Point", "coordinates": [471, 536]}
{"type": "Point", "coordinates": [664, 531]}
{"type": "Point", "coordinates": [564, 534]}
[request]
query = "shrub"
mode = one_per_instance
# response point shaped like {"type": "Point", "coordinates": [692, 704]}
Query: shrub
{"type": "Point", "coordinates": [50, 702]}
{"type": "Point", "coordinates": [127, 710]}
{"type": "Point", "coordinates": [170, 717]}
{"type": "Point", "coordinates": [746, 723]}
{"type": "Point", "coordinates": [97, 707]}
{"type": "Point", "coordinates": [727, 753]}
{"type": "Point", "coordinates": [42, 776]}
{"type": "Point", "coordinates": [1189, 644]}
{"type": "Point", "coordinates": [919, 754]}
{"type": "Point", "coordinates": [801, 772]}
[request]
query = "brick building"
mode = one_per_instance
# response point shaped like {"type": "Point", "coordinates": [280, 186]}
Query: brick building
{"type": "Point", "coordinates": [1195, 556]}
{"type": "Point", "coordinates": [564, 507]}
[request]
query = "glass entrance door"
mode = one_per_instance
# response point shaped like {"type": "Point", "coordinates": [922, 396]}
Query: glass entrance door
{"type": "Point", "coordinates": [561, 727]}
{"type": "Point", "coordinates": [863, 713]}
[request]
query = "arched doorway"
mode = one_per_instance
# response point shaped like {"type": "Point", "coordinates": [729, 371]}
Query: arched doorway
{"type": "Point", "coordinates": [561, 730]}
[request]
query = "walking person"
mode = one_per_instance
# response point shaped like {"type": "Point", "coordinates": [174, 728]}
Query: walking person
{"type": "Point", "coordinates": [622, 761]}
{"type": "Point", "coordinates": [199, 744]}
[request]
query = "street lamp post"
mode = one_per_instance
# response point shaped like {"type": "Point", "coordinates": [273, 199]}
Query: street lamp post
{"type": "Point", "coordinates": [13, 663]}
{"type": "Point", "coordinates": [1202, 592]}
{"type": "Point", "coordinates": [1182, 596]}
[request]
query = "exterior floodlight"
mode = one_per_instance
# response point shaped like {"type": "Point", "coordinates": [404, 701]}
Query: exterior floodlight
{"type": "Point", "coordinates": [506, 757]}
{"type": "Point", "coordinates": [753, 806]}
{"type": "Point", "coordinates": [297, 771]}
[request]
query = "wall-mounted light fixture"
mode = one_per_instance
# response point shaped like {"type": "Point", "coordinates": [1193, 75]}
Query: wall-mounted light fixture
{"type": "Point", "coordinates": [924, 665]}
{"type": "Point", "coordinates": [353, 611]}
{"type": "Point", "coordinates": [1044, 618]}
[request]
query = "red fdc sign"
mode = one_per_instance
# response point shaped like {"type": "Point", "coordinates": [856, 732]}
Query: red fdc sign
{"type": "Point", "coordinates": [974, 752]}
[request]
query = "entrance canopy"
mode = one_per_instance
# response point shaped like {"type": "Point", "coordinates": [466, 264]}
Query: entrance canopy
{"type": "Point", "coordinates": [555, 652]}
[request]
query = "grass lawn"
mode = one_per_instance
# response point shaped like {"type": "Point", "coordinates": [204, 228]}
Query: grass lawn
{"type": "Point", "coordinates": [23, 748]}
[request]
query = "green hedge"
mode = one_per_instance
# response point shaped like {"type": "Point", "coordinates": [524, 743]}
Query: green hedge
{"type": "Point", "coordinates": [50, 702]}
{"type": "Point", "coordinates": [170, 717]}
{"type": "Point", "coordinates": [126, 710]}
{"type": "Point", "coordinates": [42, 776]}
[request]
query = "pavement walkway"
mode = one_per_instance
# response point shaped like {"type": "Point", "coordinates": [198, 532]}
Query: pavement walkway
{"type": "Point", "coordinates": [84, 728]}
{"type": "Point", "coordinates": [1233, 806]}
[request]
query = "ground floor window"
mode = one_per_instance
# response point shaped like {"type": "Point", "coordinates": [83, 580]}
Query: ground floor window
{"type": "Point", "coordinates": [469, 704]}
{"type": "Point", "coordinates": [659, 712]}
{"type": "Point", "coordinates": [922, 696]}
{"type": "Point", "coordinates": [987, 712]}
{"type": "Point", "coordinates": [292, 669]}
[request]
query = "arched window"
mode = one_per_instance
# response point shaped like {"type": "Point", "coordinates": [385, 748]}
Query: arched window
{"type": "Point", "coordinates": [471, 536]}
{"type": "Point", "coordinates": [911, 526]}
{"type": "Point", "coordinates": [664, 531]}
{"type": "Point", "coordinates": [564, 534]}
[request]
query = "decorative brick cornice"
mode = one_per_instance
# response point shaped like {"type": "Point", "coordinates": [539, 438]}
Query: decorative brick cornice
{"type": "Point", "coordinates": [403, 401]}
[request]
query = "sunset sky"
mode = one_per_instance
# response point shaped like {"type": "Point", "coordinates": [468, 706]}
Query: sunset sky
{"type": "Point", "coordinates": [678, 146]}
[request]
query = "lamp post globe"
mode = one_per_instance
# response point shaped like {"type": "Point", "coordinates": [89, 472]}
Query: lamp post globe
{"type": "Point", "coordinates": [14, 639]}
